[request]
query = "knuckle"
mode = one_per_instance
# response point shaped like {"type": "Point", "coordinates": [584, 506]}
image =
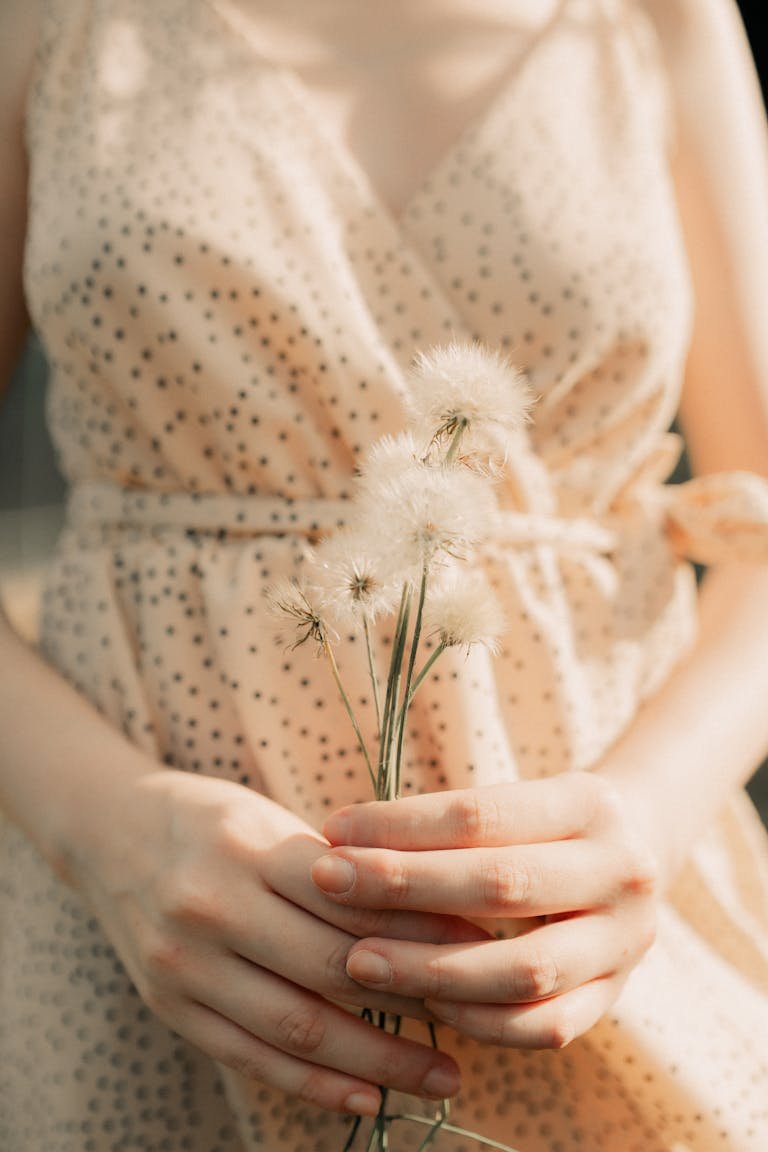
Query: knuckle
{"type": "Point", "coordinates": [183, 901]}
{"type": "Point", "coordinates": [536, 977]}
{"type": "Point", "coordinates": [335, 974]}
{"type": "Point", "coordinates": [475, 818]}
{"type": "Point", "coordinates": [559, 1031]}
{"type": "Point", "coordinates": [639, 874]}
{"type": "Point", "coordinates": [164, 957]}
{"type": "Point", "coordinates": [505, 885]}
{"type": "Point", "coordinates": [437, 981]}
{"type": "Point", "coordinates": [393, 875]}
{"type": "Point", "coordinates": [248, 1064]}
{"type": "Point", "coordinates": [301, 1031]}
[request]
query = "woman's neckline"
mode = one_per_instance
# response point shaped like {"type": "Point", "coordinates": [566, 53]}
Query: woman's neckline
{"type": "Point", "coordinates": [235, 21]}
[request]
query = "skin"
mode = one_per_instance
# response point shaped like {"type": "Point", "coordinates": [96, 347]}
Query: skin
{"type": "Point", "coordinates": [590, 854]}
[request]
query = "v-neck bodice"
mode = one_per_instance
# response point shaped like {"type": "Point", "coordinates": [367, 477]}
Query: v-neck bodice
{"type": "Point", "coordinates": [239, 22]}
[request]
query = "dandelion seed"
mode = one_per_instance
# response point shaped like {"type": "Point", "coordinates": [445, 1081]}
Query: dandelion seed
{"type": "Point", "coordinates": [468, 389]}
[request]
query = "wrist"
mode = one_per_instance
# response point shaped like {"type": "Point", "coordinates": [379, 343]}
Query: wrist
{"type": "Point", "coordinates": [97, 819]}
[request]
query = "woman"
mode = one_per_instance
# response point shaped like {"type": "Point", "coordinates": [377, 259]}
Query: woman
{"type": "Point", "coordinates": [239, 224]}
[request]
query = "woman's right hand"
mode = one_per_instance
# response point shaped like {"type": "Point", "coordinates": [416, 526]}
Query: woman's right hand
{"type": "Point", "coordinates": [204, 889]}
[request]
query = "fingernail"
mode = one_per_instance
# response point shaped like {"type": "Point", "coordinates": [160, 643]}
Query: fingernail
{"type": "Point", "coordinates": [333, 875]}
{"type": "Point", "coordinates": [440, 1082]}
{"type": "Point", "coordinates": [362, 1104]}
{"type": "Point", "coordinates": [443, 1010]}
{"type": "Point", "coordinates": [370, 968]}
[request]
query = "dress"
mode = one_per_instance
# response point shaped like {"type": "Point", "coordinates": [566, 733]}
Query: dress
{"type": "Point", "coordinates": [229, 313]}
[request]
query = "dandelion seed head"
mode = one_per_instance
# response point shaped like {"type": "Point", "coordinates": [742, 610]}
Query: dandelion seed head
{"type": "Point", "coordinates": [386, 460]}
{"type": "Point", "coordinates": [428, 511]}
{"type": "Point", "coordinates": [463, 611]}
{"type": "Point", "coordinates": [466, 386]}
{"type": "Point", "coordinates": [349, 579]}
{"type": "Point", "coordinates": [295, 617]}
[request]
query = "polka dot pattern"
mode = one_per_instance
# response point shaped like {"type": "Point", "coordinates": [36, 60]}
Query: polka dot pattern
{"type": "Point", "coordinates": [229, 312]}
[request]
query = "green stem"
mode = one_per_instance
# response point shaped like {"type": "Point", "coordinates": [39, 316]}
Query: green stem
{"type": "Point", "coordinates": [453, 447]}
{"type": "Point", "coordinates": [432, 1134]}
{"type": "Point", "coordinates": [348, 705]}
{"type": "Point", "coordinates": [393, 692]}
{"type": "Point", "coordinates": [403, 712]}
{"type": "Point", "coordinates": [485, 1140]}
{"type": "Point", "coordinates": [418, 680]}
{"type": "Point", "coordinates": [353, 1134]}
{"type": "Point", "coordinates": [372, 672]}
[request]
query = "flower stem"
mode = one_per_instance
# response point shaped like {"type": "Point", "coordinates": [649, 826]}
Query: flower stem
{"type": "Point", "coordinates": [384, 789]}
{"type": "Point", "coordinates": [348, 705]}
{"type": "Point", "coordinates": [425, 671]}
{"type": "Point", "coordinates": [372, 672]}
{"type": "Point", "coordinates": [353, 1134]}
{"type": "Point", "coordinates": [446, 1127]}
{"type": "Point", "coordinates": [453, 447]}
{"type": "Point", "coordinates": [403, 712]}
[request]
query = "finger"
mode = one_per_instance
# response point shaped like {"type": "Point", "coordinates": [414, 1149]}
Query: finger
{"type": "Point", "coordinates": [531, 880]}
{"type": "Point", "coordinates": [549, 1023]}
{"type": "Point", "coordinates": [253, 1058]}
{"type": "Point", "coordinates": [311, 953]}
{"type": "Point", "coordinates": [545, 962]}
{"type": "Point", "coordinates": [286, 870]}
{"type": "Point", "coordinates": [524, 812]}
{"type": "Point", "coordinates": [309, 1028]}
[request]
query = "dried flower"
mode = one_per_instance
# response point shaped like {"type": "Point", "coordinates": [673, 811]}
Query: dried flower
{"type": "Point", "coordinates": [349, 582]}
{"type": "Point", "coordinates": [290, 606]}
{"type": "Point", "coordinates": [467, 389]}
{"type": "Point", "coordinates": [425, 511]}
{"type": "Point", "coordinates": [464, 611]}
{"type": "Point", "coordinates": [386, 459]}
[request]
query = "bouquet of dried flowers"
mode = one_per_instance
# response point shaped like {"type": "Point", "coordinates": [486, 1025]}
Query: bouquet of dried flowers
{"type": "Point", "coordinates": [423, 504]}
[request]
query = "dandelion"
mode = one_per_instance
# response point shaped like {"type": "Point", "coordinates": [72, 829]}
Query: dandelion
{"type": "Point", "coordinates": [463, 612]}
{"type": "Point", "coordinates": [424, 514]}
{"type": "Point", "coordinates": [466, 393]}
{"type": "Point", "coordinates": [350, 584]}
{"type": "Point", "coordinates": [289, 605]}
{"type": "Point", "coordinates": [387, 459]}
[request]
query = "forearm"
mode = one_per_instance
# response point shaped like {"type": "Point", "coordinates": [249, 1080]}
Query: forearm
{"type": "Point", "coordinates": [64, 769]}
{"type": "Point", "coordinates": [706, 731]}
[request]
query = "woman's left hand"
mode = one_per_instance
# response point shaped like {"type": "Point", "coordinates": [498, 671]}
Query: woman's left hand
{"type": "Point", "coordinates": [562, 849]}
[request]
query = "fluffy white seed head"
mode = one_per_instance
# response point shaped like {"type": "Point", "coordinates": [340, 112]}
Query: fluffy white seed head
{"type": "Point", "coordinates": [294, 614]}
{"type": "Point", "coordinates": [425, 511]}
{"type": "Point", "coordinates": [463, 611]}
{"type": "Point", "coordinates": [469, 388]}
{"type": "Point", "coordinates": [349, 579]}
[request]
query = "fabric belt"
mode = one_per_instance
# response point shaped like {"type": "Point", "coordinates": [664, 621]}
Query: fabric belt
{"type": "Point", "coordinates": [710, 518]}
{"type": "Point", "coordinates": [100, 504]}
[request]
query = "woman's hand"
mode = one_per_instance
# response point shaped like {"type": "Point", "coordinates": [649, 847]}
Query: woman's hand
{"type": "Point", "coordinates": [562, 849]}
{"type": "Point", "coordinates": [204, 889]}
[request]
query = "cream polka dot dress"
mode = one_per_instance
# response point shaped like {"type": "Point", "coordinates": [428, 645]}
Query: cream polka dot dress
{"type": "Point", "coordinates": [229, 313]}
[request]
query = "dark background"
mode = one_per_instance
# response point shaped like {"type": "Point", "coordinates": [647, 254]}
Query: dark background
{"type": "Point", "coordinates": [32, 490]}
